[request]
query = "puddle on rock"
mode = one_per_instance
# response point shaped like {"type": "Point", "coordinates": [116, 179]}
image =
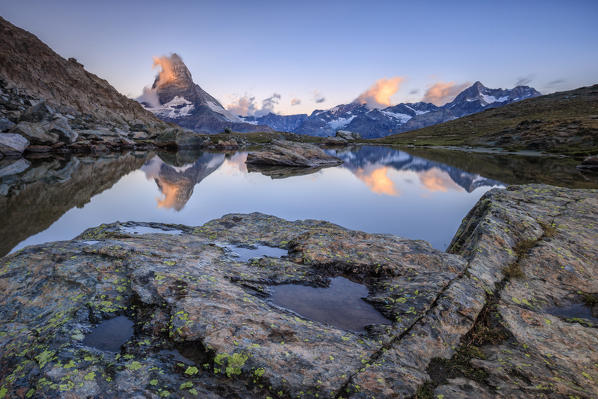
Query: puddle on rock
{"type": "Point", "coordinates": [339, 305]}
{"type": "Point", "coordinates": [90, 242]}
{"type": "Point", "coordinates": [245, 254]}
{"type": "Point", "coordinates": [148, 230]}
{"type": "Point", "coordinates": [110, 334]}
{"type": "Point", "coordinates": [573, 312]}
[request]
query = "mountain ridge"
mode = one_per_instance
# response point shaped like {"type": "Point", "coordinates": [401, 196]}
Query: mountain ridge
{"type": "Point", "coordinates": [399, 118]}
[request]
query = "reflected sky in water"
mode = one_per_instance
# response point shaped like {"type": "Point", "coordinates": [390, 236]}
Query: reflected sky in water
{"type": "Point", "coordinates": [376, 190]}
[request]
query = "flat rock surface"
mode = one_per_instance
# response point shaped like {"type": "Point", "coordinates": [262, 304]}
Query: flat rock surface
{"type": "Point", "coordinates": [204, 323]}
{"type": "Point", "coordinates": [289, 153]}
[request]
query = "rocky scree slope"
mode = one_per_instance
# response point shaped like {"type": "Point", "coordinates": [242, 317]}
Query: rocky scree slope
{"type": "Point", "coordinates": [48, 103]}
{"type": "Point", "coordinates": [488, 319]}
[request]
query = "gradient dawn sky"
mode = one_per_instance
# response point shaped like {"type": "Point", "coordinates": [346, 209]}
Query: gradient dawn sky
{"type": "Point", "coordinates": [317, 54]}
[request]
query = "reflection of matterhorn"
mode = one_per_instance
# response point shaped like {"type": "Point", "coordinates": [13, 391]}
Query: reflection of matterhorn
{"type": "Point", "coordinates": [177, 179]}
{"type": "Point", "coordinates": [175, 98]}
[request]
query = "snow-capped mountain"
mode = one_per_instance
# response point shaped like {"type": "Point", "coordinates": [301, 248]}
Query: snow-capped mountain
{"type": "Point", "coordinates": [175, 98]}
{"type": "Point", "coordinates": [398, 118]}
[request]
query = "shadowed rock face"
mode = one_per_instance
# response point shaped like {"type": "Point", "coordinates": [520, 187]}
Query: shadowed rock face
{"type": "Point", "coordinates": [204, 323]}
{"type": "Point", "coordinates": [29, 64]}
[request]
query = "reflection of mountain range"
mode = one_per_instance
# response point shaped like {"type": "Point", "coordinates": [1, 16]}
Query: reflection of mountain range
{"type": "Point", "coordinates": [177, 182]}
{"type": "Point", "coordinates": [371, 165]}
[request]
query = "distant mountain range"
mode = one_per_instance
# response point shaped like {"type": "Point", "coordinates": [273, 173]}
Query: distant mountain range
{"type": "Point", "coordinates": [371, 123]}
{"type": "Point", "coordinates": [174, 97]}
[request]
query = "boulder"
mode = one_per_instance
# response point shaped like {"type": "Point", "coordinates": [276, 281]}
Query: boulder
{"type": "Point", "coordinates": [12, 144]}
{"type": "Point", "coordinates": [6, 124]}
{"type": "Point", "coordinates": [38, 113]}
{"type": "Point", "coordinates": [290, 153]}
{"type": "Point", "coordinates": [347, 135]}
{"type": "Point", "coordinates": [36, 133]}
{"type": "Point", "coordinates": [60, 126]}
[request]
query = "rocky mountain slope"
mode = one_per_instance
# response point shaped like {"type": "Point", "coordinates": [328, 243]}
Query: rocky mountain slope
{"type": "Point", "coordinates": [50, 104]}
{"type": "Point", "coordinates": [370, 123]}
{"type": "Point", "coordinates": [174, 97]}
{"type": "Point", "coordinates": [564, 122]}
{"type": "Point", "coordinates": [30, 65]}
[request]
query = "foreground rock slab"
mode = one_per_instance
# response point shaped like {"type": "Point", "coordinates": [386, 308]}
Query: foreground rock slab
{"type": "Point", "coordinates": [205, 324]}
{"type": "Point", "coordinates": [289, 153]}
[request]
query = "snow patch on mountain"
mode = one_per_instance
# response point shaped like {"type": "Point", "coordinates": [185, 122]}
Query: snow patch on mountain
{"type": "Point", "coordinates": [227, 114]}
{"type": "Point", "coordinates": [175, 108]}
{"type": "Point", "coordinates": [401, 118]}
{"type": "Point", "coordinates": [340, 122]}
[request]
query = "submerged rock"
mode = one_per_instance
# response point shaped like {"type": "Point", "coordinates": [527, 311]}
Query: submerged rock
{"type": "Point", "coordinates": [206, 323]}
{"type": "Point", "coordinates": [290, 153]}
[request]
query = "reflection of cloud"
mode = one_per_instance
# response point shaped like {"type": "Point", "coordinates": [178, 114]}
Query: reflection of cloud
{"type": "Point", "coordinates": [377, 180]}
{"type": "Point", "coordinates": [438, 180]}
{"type": "Point", "coordinates": [441, 93]}
{"type": "Point", "coordinates": [378, 95]}
{"type": "Point", "coordinates": [235, 164]}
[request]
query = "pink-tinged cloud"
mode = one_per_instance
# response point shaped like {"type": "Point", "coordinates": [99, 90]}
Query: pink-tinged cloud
{"type": "Point", "coordinates": [443, 92]}
{"type": "Point", "coordinates": [379, 94]}
{"type": "Point", "coordinates": [295, 101]}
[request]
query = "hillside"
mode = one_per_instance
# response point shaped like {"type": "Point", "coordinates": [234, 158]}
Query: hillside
{"type": "Point", "coordinates": [563, 122]}
{"type": "Point", "coordinates": [30, 65]}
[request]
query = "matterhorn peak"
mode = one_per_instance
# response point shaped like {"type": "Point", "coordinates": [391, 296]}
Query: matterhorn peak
{"type": "Point", "coordinates": [174, 97]}
{"type": "Point", "coordinates": [173, 71]}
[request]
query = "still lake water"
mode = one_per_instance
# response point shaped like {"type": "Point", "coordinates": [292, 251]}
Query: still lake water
{"type": "Point", "coordinates": [377, 189]}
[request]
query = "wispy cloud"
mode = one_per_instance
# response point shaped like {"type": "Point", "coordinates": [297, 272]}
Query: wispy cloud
{"type": "Point", "coordinates": [556, 82]}
{"type": "Point", "coordinates": [524, 80]}
{"type": "Point", "coordinates": [442, 92]}
{"type": "Point", "coordinates": [379, 94]}
{"type": "Point", "coordinates": [295, 101]}
{"type": "Point", "coordinates": [318, 97]}
{"type": "Point", "coordinates": [247, 106]}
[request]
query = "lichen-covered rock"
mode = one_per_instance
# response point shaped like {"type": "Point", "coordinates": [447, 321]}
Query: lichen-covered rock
{"type": "Point", "coordinates": [290, 153]}
{"type": "Point", "coordinates": [539, 335]}
{"type": "Point", "coordinates": [487, 320]}
{"type": "Point", "coordinates": [189, 295]}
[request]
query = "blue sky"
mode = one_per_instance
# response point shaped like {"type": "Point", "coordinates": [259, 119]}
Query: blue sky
{"type": "Point", "coordinates": [334, 50]}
